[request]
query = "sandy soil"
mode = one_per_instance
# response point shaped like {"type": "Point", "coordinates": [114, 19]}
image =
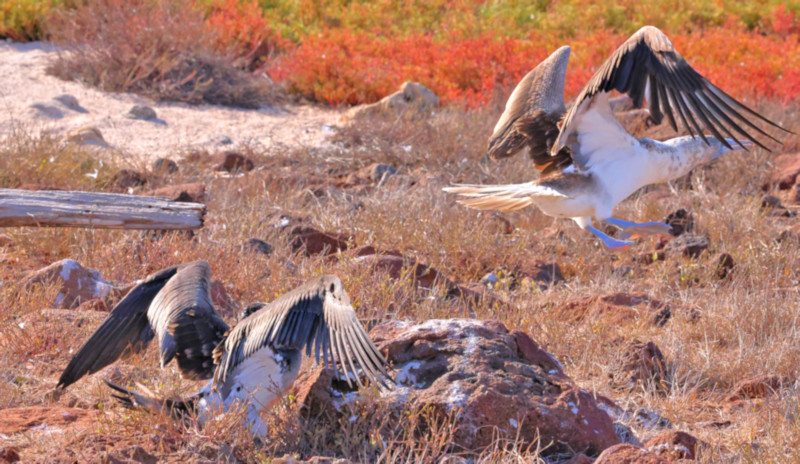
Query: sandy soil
{"type": "Point", "coordinates": [28, 101]}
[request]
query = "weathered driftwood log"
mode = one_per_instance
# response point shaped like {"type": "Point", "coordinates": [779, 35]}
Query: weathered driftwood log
{"type": "Point", "coordinates": [48, 208]}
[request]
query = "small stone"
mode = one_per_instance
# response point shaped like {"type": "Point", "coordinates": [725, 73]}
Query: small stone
{"type": "Point", "coordinates": [688, 245]}
{"type": "Point", "coordinates": [643, 363]}
{"type": "Point", "coordinates": [624, 271]}
{"type": "Point", "coordinates": [165, 166]}
{"type": "Point", "coordinates": [9, 454]}
{"type": "Point", "coordinates": [628, 454]}
{"type": "Point", "coordinates": [724, 266]}
{"type": "Point", "coordinates": [145, 113]}
{"type": "Point", "coordinates": [673, 445]}
{"type": "Point", "coordinates": [681, 221]}
{"type": "Point", "coordinates": [770, 201]}
{"type": "Point", "coordinates": [773, 206]}
{"type": "Point", "coordinates": [788, 168]}
{"type": "Point", "coordinates": [544, 274]}
{"type": "Point", "coordinates": [231, 161]}
{"type": "Point", "coordinates": [258, 245]}
{"type": "Point", "coordinates": [193, 193]}
{"type": "Point", "coordinates": [75, 283]}
{"type": "Point", "coordinates": [580, 458]}
{"type": "Point", "coordinates": [411, 95]}
{"type": "Point", "coordinates": [87, 136]}
{"type": "Point", "coordinates": [128, 178]}
{"type": "Point", "coordinates": [379, 171]}
{"type": "Point", "coordinates": [650, 258]}
{"type": "Point", "coordinates": [225, 140]}
{"type": "Point", "coordinates": [756, 387]}
{"type": "Point", "coordinates": [70, 102]}
{"type": "Point", "coordinates": [499, 224]}
{"type": "Point", "coordinates": [314, 242]}
{"type": "Point", "coordinates": [48, 110]}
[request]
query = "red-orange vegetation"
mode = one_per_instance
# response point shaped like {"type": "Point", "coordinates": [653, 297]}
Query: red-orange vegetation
{"type": "Point", "coordinates": [342, 67]}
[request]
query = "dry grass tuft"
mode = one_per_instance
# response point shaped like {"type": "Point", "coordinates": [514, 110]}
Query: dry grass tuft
{"type": "Point", "coordinates": [163, 50]}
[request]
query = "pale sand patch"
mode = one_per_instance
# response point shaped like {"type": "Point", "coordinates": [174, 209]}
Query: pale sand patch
{"type": "Point", "coordinates": [27, 102]}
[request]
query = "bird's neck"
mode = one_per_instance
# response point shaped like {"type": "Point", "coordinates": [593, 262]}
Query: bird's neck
{"type": "Point", "coordinates": [677, 157]}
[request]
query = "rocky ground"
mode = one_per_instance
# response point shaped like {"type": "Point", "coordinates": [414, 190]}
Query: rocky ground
{"type": "Point", "coordinates": [513, 338]}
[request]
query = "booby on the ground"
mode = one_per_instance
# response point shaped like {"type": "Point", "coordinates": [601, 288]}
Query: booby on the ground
{"type": "Point", "coordinates": [251, 363]}
{"type": "Point", "coordinates": [588, 161]}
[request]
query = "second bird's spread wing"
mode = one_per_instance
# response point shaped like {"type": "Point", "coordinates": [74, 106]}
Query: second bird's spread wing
{"type": "Point", "coordinates": [316, 314]}
{"type": "Point", "coordinates": [648, 66]}
{"type": "Point", "coordinates": [172, 305]}
{"type": "Point", "coordinates": [186, 323]}
{"type": "Point", "coordinates": [532, 114]}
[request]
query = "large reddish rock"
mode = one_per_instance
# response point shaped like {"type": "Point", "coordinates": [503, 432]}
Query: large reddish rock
{"type": "Point", "coordinates": [75, 283]}
{"type": "Point", "coordinates": [628, 454]}
{"type": "Point", "coordinates": [673, 445]}
{"type": "Point", "coordinates": [494, 381]}
{"type": "Point", "coordinates": [488, 379]}
{"type": "Point", "coordinates": [17, 420]}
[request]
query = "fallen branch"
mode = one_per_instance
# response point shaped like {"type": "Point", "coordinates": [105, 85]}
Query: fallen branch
{"type": "Point", "coordinates": [46, 208]}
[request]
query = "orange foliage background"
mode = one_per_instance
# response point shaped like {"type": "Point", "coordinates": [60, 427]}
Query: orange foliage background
{"type": "Point", "coordinates": [341, 67]}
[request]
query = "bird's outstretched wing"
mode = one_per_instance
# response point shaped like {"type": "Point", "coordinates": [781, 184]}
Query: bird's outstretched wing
{"type": "Point", "coordinates": [172, 305]}
{"type": "Point", "coordinates": [648, 66]}
{"type": "Point", "coordinates": [532, 114]}
{"type": "Point", "coordinates": [316, 314]}
{"type": "Point", "coordinates": [185, 322]}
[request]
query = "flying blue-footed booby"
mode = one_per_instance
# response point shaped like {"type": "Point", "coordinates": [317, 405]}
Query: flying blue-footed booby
{"type": "Point", "coordinates": [588, 161]}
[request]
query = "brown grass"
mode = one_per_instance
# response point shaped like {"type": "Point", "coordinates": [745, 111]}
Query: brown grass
{"type": "Point", "coordinates": [721, 331]}
{"type": "Point", "coordinates": [158, 49]}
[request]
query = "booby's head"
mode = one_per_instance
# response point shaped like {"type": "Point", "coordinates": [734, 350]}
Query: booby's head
{"type": "Point", "coordinates": [250, 309]}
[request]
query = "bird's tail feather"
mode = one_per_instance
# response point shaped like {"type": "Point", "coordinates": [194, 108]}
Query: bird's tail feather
{"type": "Point", "coordinates": [147, 400]}
{"type": "Point", "coordinates": [504, 198]}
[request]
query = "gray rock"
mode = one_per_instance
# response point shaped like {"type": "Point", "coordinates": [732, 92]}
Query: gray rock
{"type": "Point", "coordinates": [89, 135]}
{"type": "Point", "coordinates": [258, 245]}
{"type": "Point", "coordinates": [688, 245]}
{"type": "Point", "coordinates": [165, 166]}
{"type": "Point", "coordinates": [411, 95]}
{"type": "Point", "coordinates": [49, 111]}
{"type": "Point", "coordinates": [144, 113]}
{"type": "Point", "coordinates": [378, 171]}
{"type": "Point", "coordinates": [70, 102]}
